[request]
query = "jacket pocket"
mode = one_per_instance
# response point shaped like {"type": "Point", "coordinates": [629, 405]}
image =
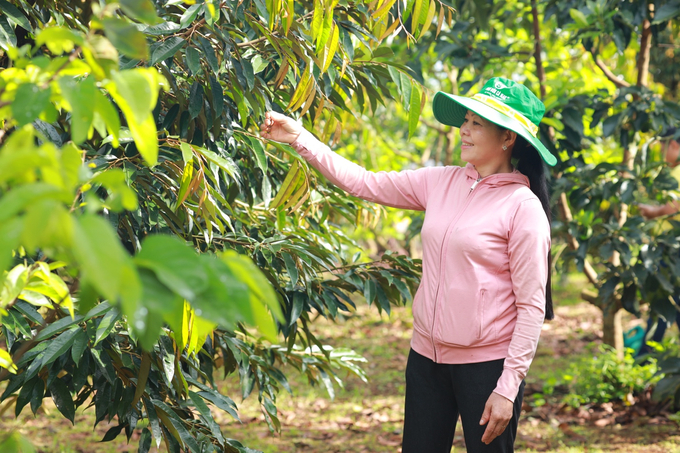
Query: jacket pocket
{"type": "Point", "coordinates": [481, 308]}
{"type": "Point", "coordinates": [465, 320]}
{"type": "Point", "coordinates": [420, 318]}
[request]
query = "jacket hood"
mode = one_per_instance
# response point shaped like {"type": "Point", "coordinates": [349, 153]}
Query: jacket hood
{"type": "Point", "coordinates": [498, 179]}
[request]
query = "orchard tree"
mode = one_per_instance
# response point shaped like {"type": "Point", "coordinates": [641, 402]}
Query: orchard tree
{"type": "Point", "coordinates": [607, 73]}
{"type": "Point", "coordinates": [149, 237]}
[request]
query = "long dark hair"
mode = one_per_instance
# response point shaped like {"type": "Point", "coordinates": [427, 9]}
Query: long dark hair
{"type": "Point", "coordinates": [530, 164]}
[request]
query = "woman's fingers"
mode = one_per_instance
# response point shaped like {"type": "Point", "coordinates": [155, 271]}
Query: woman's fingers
{"type": "Point", "coordinates": [279, 127]}
{"type": "Point", "coordinates": [497, 412]}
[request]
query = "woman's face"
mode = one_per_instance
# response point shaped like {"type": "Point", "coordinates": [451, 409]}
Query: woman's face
{"type": "Point", "coordinates": [482, 140]}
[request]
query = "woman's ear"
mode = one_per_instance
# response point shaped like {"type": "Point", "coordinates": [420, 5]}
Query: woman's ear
{"type": "Point", "coordinates": [509, 138]}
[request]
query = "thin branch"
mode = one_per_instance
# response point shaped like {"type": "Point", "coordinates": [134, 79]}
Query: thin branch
{"type": "Point", "coordinates": [620, 83]}
{"type": "Point", "coordinates": [566, 215]}
{"type": "Point", "coordinates": [251, 43]}
{"type": "Point", "coordinates": [437, 128]}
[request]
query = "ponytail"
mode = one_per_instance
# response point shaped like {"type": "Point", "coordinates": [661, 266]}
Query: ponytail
{"type": "Point", "coordinates": [530, 164]}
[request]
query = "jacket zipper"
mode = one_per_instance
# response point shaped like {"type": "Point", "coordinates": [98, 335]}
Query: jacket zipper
{"type": "Point", "coordinates": [441, 267]}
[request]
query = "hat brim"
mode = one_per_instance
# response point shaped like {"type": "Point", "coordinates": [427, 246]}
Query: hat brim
{"type": "Point", "coordinates": [451, 109]}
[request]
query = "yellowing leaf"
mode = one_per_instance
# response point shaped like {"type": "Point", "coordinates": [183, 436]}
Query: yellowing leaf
{"type": "Point", "coordinates": [331, 49]}
{"type": "Point", "coordinates": [288, 185]}
{"type": "Point", "coordinates": [384, 9]}
{"type": "Point", "coordinates": [415, 17]}
{"type": "Point", "coordinates": [429, 17]}
{"type": "Point", "coordinates": [414, 111]}
{"type": "Point", "coordinates": [136, 93]}
{"type": "Point", "coordinates": [6, 362]}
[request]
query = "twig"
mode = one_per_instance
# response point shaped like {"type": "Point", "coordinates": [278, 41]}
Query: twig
{"type": "Point", "coordinates": [620, 83]}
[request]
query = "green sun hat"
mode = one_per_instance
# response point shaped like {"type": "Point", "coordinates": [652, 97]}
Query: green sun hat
{"type": "Point", "coordinates": [501, 101]}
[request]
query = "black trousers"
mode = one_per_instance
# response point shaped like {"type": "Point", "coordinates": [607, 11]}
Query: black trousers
{"type": "Point", "coordinates": [437, 393]}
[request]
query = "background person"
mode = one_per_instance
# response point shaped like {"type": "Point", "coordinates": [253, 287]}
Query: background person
{"type": "Point", "coordinates": [485, 288]}
{"type": "Point", "coordinates": [671, 155]}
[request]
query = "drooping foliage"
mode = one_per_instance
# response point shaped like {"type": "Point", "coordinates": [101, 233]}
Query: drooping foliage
{"type": "Point", "coordinates": [147, 229]}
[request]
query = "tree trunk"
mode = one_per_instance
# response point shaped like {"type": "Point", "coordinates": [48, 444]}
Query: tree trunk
{"type": "Point", "coordinates": [612, 328]}
{"type": "Point", "coordinates": [540, 71]}
{"type": "Point", "coordinates": [643, 57]}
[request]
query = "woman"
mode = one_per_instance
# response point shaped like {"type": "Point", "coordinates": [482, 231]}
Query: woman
{"type": "Point", "coordinates": [485, 289]}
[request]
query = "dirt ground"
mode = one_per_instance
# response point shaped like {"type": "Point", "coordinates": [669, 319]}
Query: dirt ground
{"type": "Point", "coordinates": [368, 417]}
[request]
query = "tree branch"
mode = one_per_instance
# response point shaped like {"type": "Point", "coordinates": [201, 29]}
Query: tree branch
{"type": "Point", "coordinates": [565, 213]}
{"type": "Point", "coordinates": [620, 83]}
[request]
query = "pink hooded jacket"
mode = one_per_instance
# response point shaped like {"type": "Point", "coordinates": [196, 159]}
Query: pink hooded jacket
{"type": "Point", "coordinates": [485, 248]}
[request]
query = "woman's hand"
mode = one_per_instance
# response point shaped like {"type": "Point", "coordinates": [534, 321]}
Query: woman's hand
{"type": "Point", "coordinates": [280, 128]}
{"type": "Point", "coordinates": [497, 413]}
{"type": "Point", "coordinates": [648, 211]}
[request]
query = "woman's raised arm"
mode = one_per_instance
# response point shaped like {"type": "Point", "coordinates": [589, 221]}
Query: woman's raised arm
{"type": "Point", "coordinates": [404, 189]}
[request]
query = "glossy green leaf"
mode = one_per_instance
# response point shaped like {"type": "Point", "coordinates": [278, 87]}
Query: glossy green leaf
{"type": "Point", "coordinates": [166, 49]}
{"type": "Point", "coordinates": [47, 224]}
{"type": "Point", "coordinates": [109, 115]}
{"type": "Point", "coordinates": [189, 15]}
{"type": "Point", "coordinates": [7, 36]}
{"type": "Point", "coordinates": [79, 95]}
{"type": "Point", "coordinates": [291, 268]}
{"type": "Point", "coordinates": [226, 300]}
{"type": "Point", "coordinates": [60, 345]}
{"type": "Point", "coordinates": [195, 99]}
{"type": "Point", "coordinates": [98, 251]}
{"type": "Point", "coordinates": [15, 15]}
{"type": "Point", "coordinates": [261, 292]}
{"type": "Point", "coordinates": [126, 38]}
{"type": "Point", "coordinates": [24, 396]}
{"type": "Point", "coordinates": [260, 156]}
{"type": "Point", "coordinates": [63, 400]}
{"type": "Point", "coordinates": [10, 231]}
{"type": "Point", "coordinates": [147, 325]}
{"type": "Point", "coordinates": [217, 96]}
{"type": "Point", "coordinates": [107, 324]}
{"type": "Point", "coordinates": [207, 417]}
{"type": "Point", "coordinates": [142, 10]}
{"type": "Point", "coordinates": [79, 346]}
{"type": "Point", "coordinates": [57, 327]}
{"type": "Point", "coordinates": [209, 53]}
{"type": "Point", "coordinates": [176, 422]}
{"type": "Point", "coordinates": [28, 310]}
{"type": "Point", "coordinates": [193, 60]}
{"type": "Point", "coordinates": [29, 103]}
{"type": "Point", "coordinates": [175, 264]}
{"type": "Point", "coordinates": [219, 400]}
